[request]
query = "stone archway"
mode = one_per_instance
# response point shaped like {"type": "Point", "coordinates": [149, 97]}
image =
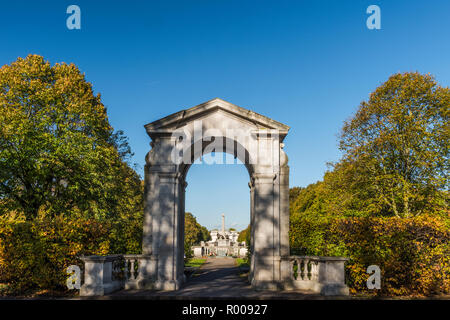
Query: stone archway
{"type": "Point", "coordinates": [177, 141]}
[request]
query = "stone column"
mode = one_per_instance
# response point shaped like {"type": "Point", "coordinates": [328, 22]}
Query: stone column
{"type": "Point", "coordinates": [252, 228]}
{"type": "Point", "coordinates": [182, 184]}
{"type": "Point", "coordinates": [265, 224]}
{"type": "Point", "coordinates": [223, 223]}
{"type": "Point", "coordinates": [168, 232]}
{"type": "Point", "coordinates": [271, 215]}
{"type": "Point", "coordinates": [284, 217]}
{"type": "Point", "coordinates": [163, 217]}
{"type": "Point", "coordinates": [150, 196]}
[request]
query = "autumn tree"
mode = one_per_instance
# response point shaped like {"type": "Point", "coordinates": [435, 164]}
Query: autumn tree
{"type": "Point", "coordinates": [206, 236]}
{"type": "Point", "coordinates": [58, 152]}
{"type": "Point", "coordinates": [294, 192]}
{"type": "Point", "coordinates": [245, 235]}
{"type": "Point", "coordinates": [194, 233]}
{"type": "Point", "coordinates": [396, 146]}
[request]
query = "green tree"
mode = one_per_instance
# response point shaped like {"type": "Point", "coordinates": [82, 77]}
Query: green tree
{"type": "Point", "coordinates": [205, 234]}
{"type": "Point", "coordinates": [396, 147]}
{"type": "Point", "coordinates": [58, 152]}
{"type": "Point", "coordinates": [245, 235]}
{"type": "Point", "coordinates": [194, 233]}
{"type": "Point", "coordinates": [294, 193]}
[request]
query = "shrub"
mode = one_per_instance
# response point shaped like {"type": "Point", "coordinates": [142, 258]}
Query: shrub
{"type": "Point", "coordinates": [412, 253]}
{"type": "Point", "coordinates": [35, 254]}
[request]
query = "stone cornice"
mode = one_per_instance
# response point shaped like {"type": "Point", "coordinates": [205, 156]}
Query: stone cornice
{"type": "Point", "coordinates": [167, 124]}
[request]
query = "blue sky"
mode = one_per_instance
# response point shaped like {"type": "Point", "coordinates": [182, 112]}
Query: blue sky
{"type": "Point", "coordinates": [307, 64]}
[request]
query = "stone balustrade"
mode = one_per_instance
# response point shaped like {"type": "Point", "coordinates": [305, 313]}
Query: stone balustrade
{"type": "Point", "coordinates": [106, 274]}
{"type": "Point", "coordinates": [323, 275]}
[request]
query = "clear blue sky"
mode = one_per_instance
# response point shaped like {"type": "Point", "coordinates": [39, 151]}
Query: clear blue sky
{"type": "Point", "coordinates": [307, 64]}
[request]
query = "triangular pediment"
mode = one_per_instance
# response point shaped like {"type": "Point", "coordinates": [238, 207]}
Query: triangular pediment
{"type": "Point", "coordinates": [183, 117]}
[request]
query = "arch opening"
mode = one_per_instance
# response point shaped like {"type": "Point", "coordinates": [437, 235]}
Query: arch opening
{"type": "Point", "coordinates": [200, 148]}
{"type": "Point", "coordinates": [207, 197]}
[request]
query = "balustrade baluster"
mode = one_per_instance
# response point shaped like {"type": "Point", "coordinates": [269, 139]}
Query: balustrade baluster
{"type": "Point", "coordinates": [137, 268]}
{"type": "Point", "coordinates": [294, 272]}
{"type": "Point", "coordinates": [132, 269]}
{"type": "Point", "coordinates": [303, 269]}
{"type": "Point", "coordinates": [307, 270]}
{"type": "Point", "coordinates": [314, 271]}
{"type": "Point", "coordinates": [125, 269]}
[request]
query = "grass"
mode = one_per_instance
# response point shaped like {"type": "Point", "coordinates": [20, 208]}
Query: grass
{"type": "Point", "coordinates": [244, 266]}
{"type": "Point", "coordinates": [194, 262]}
{"type": "Point", "coordinates": [242, 263]}
{"type": "Point", "coordinates": [192, 265]}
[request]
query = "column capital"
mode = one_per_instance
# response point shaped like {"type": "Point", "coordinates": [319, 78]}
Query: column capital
{"type": "Point", "coordinates": [170, 177]}
{"type": "Point", "coordinates": [258, 178]}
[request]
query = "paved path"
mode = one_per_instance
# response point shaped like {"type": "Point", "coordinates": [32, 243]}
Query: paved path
{"type": "Point", "coordinates": [217, 278]}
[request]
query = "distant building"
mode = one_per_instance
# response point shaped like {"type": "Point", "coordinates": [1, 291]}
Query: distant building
{"type": "Point", "coordinates": [223, 243]}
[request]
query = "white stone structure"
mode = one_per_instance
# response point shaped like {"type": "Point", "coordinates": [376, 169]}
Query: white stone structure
{"type": "Point", "coordinates": [222, 243]}
{"type": "Point", "coordinates": [177, 141]}
{"type": "Point", "coordinates": [181, 138]}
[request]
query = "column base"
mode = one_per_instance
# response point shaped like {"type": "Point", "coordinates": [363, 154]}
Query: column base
{"type": "Point", "coordinates": [140, 284]}
{"type": "Point", "coordinates": [87, 290]}
{"type": "Point", "coordinates": [168, 285]}
{"type": "Point", "coordinates": [334, 289]}
{"type": "Point", "coordinates": [266, 285]}
{"type": "Point", "coordinates": [325, 289]}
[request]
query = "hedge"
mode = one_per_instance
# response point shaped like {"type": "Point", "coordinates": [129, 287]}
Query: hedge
{"type": "Point", "coordinates": [412, 253]}
{"type": "Point", "coordinates": [34, 255]}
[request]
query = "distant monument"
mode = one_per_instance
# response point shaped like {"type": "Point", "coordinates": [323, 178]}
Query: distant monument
{"type": "Point", "coordinates": [223, 243]}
